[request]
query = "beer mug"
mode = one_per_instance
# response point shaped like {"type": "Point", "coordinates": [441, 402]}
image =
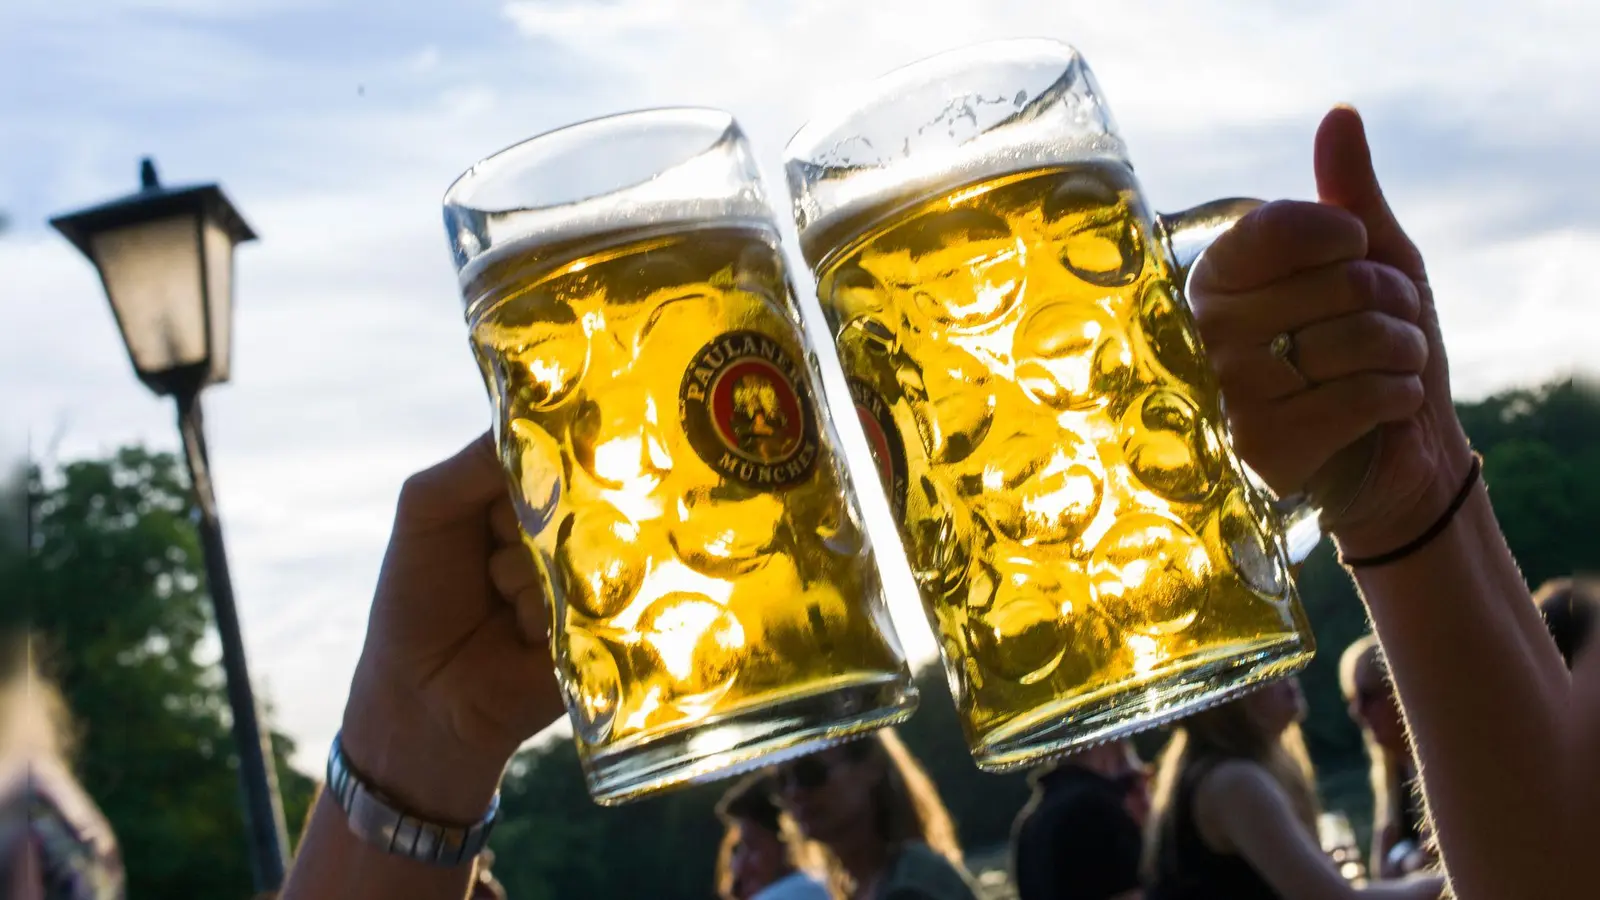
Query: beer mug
{"type": "Point", "coordinates": [1093, 556]}
{"type": "Point", "coordinates": [716, 605]}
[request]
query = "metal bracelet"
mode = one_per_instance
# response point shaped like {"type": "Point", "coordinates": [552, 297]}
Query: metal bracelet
{"type": "Point", "coordinates": [378, 821]}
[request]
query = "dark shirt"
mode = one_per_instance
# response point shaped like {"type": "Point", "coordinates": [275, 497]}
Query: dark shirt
{"type": "Point", "coordinates": [1188, 869]}
{"type": "Point", "coordinates": [1075, 840]}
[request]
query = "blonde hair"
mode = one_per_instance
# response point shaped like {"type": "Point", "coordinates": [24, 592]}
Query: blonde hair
{"type": "Point", "coordinates": [34, 720]}
{"type": "Point", "coordinates": [1227, 732]}
{"type": "Point", "coordinates": [906, 805]}
{"type": "Point", "coordinates": [1362, 669]}
{"type": "Point", "coordinates": [724, 873]}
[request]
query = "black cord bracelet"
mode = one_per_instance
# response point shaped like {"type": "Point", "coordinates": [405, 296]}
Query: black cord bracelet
{"type": "Point", "coordinates": [1434, 530]}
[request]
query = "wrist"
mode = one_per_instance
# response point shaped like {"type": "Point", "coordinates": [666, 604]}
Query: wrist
{"type": "Point", "coordinates": [1429, 499]}
{"type": "Point", "coordinates": [394, 743]}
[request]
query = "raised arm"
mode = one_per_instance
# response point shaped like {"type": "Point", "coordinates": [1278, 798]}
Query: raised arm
{"type": "Point", "coordinates": [1252, 818]}
{"type": "Point", "coordinates": [454, 676]}
{"type": "Point", "coordinates": [1482, 687]}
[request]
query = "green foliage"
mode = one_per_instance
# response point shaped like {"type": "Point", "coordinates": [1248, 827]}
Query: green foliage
{"type": "Point", "coordinates": [116, 599]}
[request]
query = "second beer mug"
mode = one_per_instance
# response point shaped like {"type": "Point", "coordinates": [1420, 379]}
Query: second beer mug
{"type": "Point", "coordinates": [1011, 318]}
{"type": "Point", "coordinates": [715, 601]}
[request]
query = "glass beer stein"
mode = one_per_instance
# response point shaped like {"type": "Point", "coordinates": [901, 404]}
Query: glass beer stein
{"type": "Point", "coordinates": [716, 605]}
{"type": "Point", "coordinates": [1011, 319]}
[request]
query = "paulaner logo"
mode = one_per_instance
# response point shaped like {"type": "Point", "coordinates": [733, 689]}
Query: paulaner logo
{"type": "Point", "coordinates": [883, 439]}
{"type": "Point", "coordinates": [745, 408]}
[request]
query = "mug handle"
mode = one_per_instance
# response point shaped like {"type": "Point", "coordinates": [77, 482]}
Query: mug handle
{"type": "Point", "coordinates": [1186, 235]}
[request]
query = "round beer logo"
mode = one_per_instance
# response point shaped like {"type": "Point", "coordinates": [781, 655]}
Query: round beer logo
{"type": "Point", "coordinates": [747, 413]}
{"type": "Point", "coordinates": [883, 439]}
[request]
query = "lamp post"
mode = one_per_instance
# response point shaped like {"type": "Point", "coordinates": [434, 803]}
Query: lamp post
{"type": "Point", "coordinates": [165, 256]}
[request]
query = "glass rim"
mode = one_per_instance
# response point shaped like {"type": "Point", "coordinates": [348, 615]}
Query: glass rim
{"type": "Point", "coordinates": [717, 123]}
{"type": "Point", "coordinates": [891, 84]}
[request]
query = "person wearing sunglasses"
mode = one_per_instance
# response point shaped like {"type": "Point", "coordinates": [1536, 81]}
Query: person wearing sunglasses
{"type": "Point", "coordinates": [1399, 838]}
{"type": "Point", "coordinates": [1078, 838]}
{"type": "Point", "coordinates": [762, 847]}
{"type": "Point", "coordinates": [879, 817]}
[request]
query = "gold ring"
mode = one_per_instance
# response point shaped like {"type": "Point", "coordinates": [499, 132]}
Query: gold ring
{"type": "Point", "coordinates": [1282, 348]}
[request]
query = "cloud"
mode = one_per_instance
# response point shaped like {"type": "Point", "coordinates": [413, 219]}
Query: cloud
{"type": "Point", "coordinates": [336, 130]}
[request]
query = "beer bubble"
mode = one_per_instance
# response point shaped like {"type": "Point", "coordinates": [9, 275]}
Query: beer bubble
{"type": "Point", "coordinates": [696, 643]}
{"type": "Point", "coordinates": [963, 267]}
{"type": "Point", "coordinates": [868, 351]}
{"type": "Point", "coordinates": [540, 359]}
{"type": "Point", "coordinates": [1250, 550]}
{"type": "Point", "coordinates": [1099, 235]}
{"type": "Point", "coordinates": [1071, 356]}
{"type": "Point", "coordinates": [533, 459]}
{"type": "Point", "coordinates": [618, 439]}
{"type": "Point", "coordinates": [952, 399]}
{"type": "Point", "coordinates": [678, 317]}
{"type": "Point", "coordinates": [1169, 331]}
{"type": "Point", "coordinates": [1039, 615]}
{"type": "Point", "coordinates": [1170, 448]}
{"type": "Point", "coordinates": [936, 542]}
{"type": "Point", "coordinates": [600, 561]}
{"type": "Point", "coordinates": [1038, 489]}
{"type": "Point", "coordinates": [853, 292]}
{"type": "Point", "coordinates": [727, 530]}
{"type": "Point", "coordinates": [1150, 574]}
{"type": "Point", "coordinates": [592, 684]}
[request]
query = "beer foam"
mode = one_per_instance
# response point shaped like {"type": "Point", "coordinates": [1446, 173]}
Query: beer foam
{"type": "Point", "coordinates": [858, 197]}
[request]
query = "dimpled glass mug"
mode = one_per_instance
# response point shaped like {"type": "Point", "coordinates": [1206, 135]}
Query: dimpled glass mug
{"type": "Point", "coordinates": [716, 605]}
{"type": "Point", "coordinates": [1012, 323]}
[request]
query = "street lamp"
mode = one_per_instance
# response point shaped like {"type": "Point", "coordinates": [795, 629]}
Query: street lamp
{"type": "Point", "coordinates": [165, 256]}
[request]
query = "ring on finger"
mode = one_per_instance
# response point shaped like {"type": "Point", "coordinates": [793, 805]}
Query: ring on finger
{"type": "Point", "coordinates": [1283, 349]}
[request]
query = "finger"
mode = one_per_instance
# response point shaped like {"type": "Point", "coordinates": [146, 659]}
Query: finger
{"type": "Point", "coordinates": [1362, 342]}
{"type": "Point", "coordinates": [1276, 240]}
{"type": "Point", "coordinates": [533, 617]}
{"type": "Point", "coordinates": [1346, 179]}
{"type": "Point", "coordinates": [503, 522]}
{"type": "Point", "coordinates": [1314, 295]}
{"type": "Point", "coordinates": [511, 570]}
{"type": "Point", "coordinates": [460, 486]}
{"type": "Point", "coordinates": [1286, 441]}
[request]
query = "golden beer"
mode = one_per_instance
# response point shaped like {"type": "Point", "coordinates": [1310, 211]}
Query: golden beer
{"type": "Point", "coordinates": [659, 423]}
{"type": "Point", "coordinates": [1087, 545]}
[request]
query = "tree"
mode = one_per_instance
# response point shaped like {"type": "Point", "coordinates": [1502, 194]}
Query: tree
{"type": "Point", "coordinates": [115, 597]}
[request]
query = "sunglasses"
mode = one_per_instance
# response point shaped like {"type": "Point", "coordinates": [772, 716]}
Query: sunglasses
{"type": "Point", "coordinates": [807, 773]}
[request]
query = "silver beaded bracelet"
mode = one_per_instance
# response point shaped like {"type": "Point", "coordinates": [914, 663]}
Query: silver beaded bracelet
{"type": "Point", "coordinates": [377, 820]}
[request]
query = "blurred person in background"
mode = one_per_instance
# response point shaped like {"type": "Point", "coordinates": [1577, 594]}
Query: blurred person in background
{"type": "Point", "coordinates": [879, 817]}
{"type": "Point", "coordinates": [762, 848]}
{"type": "Point", "coordinates": [1235, 814]}
{"type": "Point", "coordinates": [1399, 822]}
{"type": "Point", "coordinates": [1079, 836]}
{"type": "Point", "coordinates": [54, 842]}
{"type": "Point", "coordinates": [1569, 608]}
{"type": "Point", "coordinates": [727, 884]}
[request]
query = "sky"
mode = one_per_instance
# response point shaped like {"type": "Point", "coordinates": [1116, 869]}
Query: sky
{"type": "Point", "coordinates": [335, 127]}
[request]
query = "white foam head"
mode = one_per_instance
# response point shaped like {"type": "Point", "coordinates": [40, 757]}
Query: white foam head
{"type": "Point", "coordinates": [951, 119]}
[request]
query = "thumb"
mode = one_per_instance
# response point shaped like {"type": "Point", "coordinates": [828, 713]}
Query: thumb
{"type": "Point", "coordinates": [1345, 178]}
{"type": "Point", "coordinates": [463, 485]}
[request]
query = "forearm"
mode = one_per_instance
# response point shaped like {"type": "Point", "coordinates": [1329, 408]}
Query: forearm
{"type": "Point", "coordinates": [1484, 712]}
{"type": "Point", "coordinates": [1426, 887]}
